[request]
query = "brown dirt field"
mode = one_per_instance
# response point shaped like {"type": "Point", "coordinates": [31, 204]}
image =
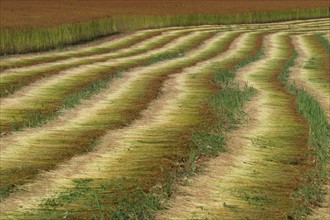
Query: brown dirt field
{"type": "Point", "coordinates": [38, 13]}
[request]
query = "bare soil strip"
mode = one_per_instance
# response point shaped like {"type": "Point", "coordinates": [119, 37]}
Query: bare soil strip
{"type": "Point", "coordinates": [114, 108]}
{"type": "Point", "coordinates": [266, 157]}
{"type": "Point", "coordinates": [152, 144]}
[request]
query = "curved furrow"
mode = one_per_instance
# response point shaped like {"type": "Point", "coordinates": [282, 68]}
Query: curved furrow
{"type": "Point", "coordinates": [25, 154]}
{"type": "Point", "coordinates": [314, 72]}
{"type": "Point", "coordinates": [43, 99]}
{"type": "Point", "coordinates": [13, 80]}
{"type": "Point", "coordinates": [152, 144]}
{"type": "Point", "coordinates": [267, 157]}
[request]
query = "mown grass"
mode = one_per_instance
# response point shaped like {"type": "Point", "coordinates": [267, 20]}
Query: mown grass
{"type": "Point", "coordinates": [32, 40]}
{"type": "Point", "coordinates": [108, 47]}
{"type": "Point", "coordinates": [115, 114]}
{"type": "Point", "coordinates": [130, 200]}
{"type": "Point", "coordinates": [12, 82]}
{"type": "Point", "coordinates": [28, 118]}
{"type": "Point", "coordinates": [65, 95]}
{"type": "Point", "coordinates": [316, 69]}
{"type": "Point", "coordinates": [310, 192]}
{"type": "Point", "coordinates": [137, 204]}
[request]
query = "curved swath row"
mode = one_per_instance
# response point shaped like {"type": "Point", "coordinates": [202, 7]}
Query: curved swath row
{"type": "Point", "coordinates": [26, 60]}
{"type": "Point", "coordinates": [119, 148]}
{"type": "Point", "coordinates": [112, 110]}
{"type": "Point", "coordinates": [12, 80]}
{"type": "Point", "coordinates": [167, 129]}
{"type": "Point", "coordinates": [313, 73]}
{"type": "Point", "coordinates": [43, 98]}
{"type": "Point", "coordinates": [261, 177]}
{"type": "Point", "coordinates": [291, 26]}
{"type": "Point", "coordinates": [134, 38]}
{"type": "Point", "coordinates": [111, 45]}
{"type": "Point", "coordinates": [244, 183]}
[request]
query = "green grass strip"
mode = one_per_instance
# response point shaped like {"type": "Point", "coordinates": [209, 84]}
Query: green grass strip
{"type": "Point", "coordinates": [323, 41]}
{"type": "Point", "coordinates": [311, 191]}
{"type": "Point", "coordinates": [227, 107]}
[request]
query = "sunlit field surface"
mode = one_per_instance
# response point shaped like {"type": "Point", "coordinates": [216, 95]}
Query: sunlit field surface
{"type": "Point", "coordinates": [179, 120]}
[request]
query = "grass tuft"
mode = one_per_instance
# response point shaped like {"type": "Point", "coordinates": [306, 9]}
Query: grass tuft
{"type": "Point", "coordinates": [227, 109]}
{"type": "Point", "coordinates": [324, 42]}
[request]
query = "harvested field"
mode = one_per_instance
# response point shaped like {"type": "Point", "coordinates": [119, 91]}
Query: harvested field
{"type": "Point", "coordinates": [198, 122]}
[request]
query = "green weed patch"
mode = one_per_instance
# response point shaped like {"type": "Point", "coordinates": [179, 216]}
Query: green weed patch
{"type": "Point", "coordinates": [311, 191]}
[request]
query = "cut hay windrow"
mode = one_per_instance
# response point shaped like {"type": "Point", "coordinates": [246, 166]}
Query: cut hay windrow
{"type": "Point", "coordinates": [43, 100]}
{"type": "Point", "coordinates": [315, 105]}
{"type": "Point", "coordinates": [314, 73]}
{"type": "Point", "coordinates": [126, 41]}
{"type": "Point", "coordinates": [115, 107]}
{"type": "Point", "coordinates": [15, 79]}
{"type": "Point", "coordinates": [130, 40]}
{"type": "Point", "coordinates": [267, 157]}
{"type": "Point", "coordinates": [110, 45]}
{"type": "Point", "coordinates": [20, 77]}
{"type": "Point", "coordinates": [292, 26]}
{"type": "Point", "coordinates": [202, 122]}
{"type": "Point", "coordinates": [153, 144]}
